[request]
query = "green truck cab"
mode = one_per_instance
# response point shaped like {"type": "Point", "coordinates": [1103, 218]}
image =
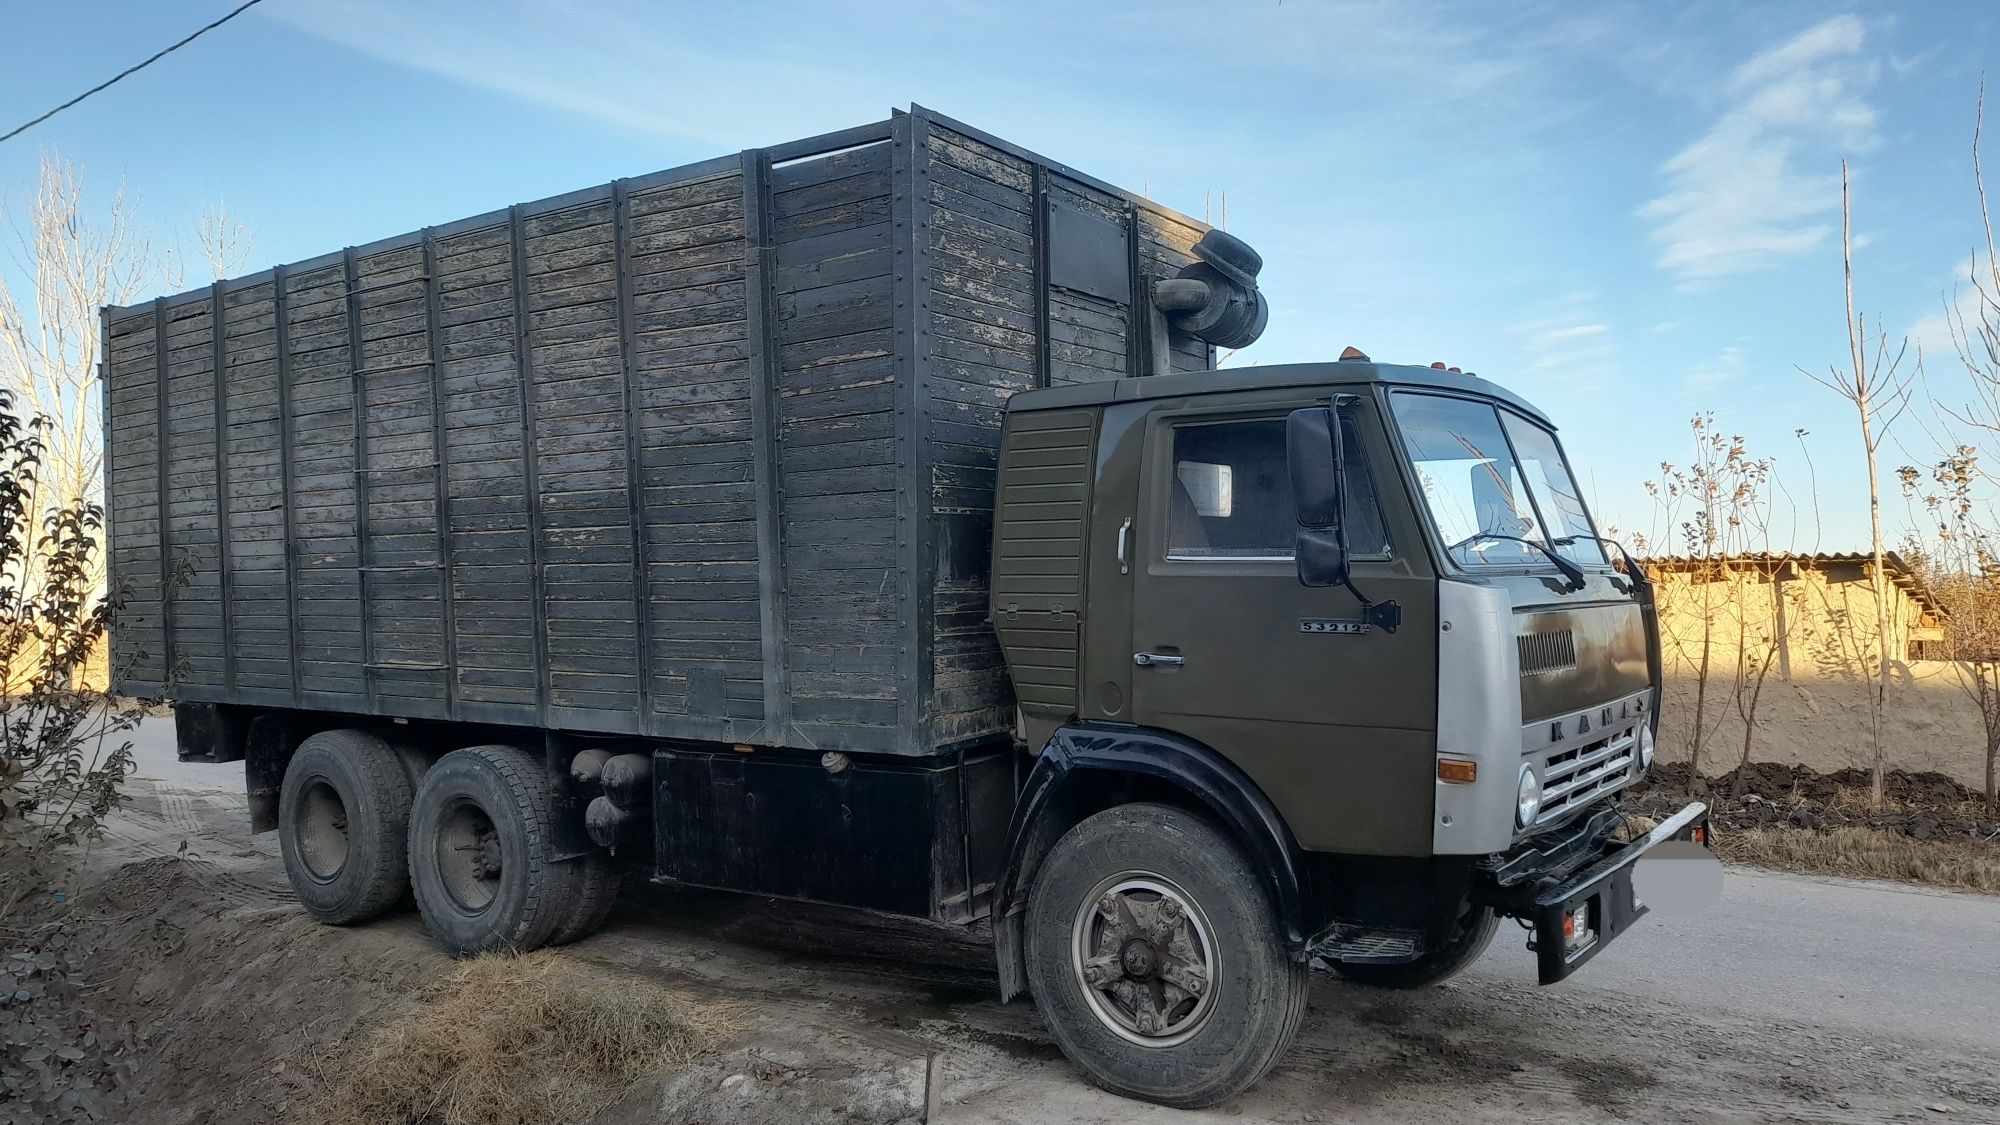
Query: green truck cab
{"type": "Point", "coordinates": [863, 519]}
{"type": "Point", "coordinates": [1410, 688]}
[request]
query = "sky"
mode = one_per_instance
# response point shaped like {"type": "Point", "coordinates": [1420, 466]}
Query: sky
{"type": "Point", "coordinates": [1627, 212]}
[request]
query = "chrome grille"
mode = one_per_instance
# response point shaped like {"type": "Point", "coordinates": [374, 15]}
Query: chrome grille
{"type": "Point", "coordinates": [1542, 653]}
{"type": "Point", "coordinates": [1574, 776]}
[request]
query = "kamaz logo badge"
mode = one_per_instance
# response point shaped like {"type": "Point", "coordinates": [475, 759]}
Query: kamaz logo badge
{"type": "Point", "coordinates": [1330, 625]}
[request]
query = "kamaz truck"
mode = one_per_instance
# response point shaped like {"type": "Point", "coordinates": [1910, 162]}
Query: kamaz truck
{"type": "Point", "coordinates": [864, 520]}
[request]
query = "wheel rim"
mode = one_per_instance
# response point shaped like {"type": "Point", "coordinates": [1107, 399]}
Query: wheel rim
{"type": "Point", "coordinates": [323, 842]}
{"type": "Point", "coordinates": [469, 859]}
{"type": "Point", "coordinates": [1145, 956]}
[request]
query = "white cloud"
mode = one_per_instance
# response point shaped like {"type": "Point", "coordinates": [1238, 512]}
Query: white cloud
{"type": "Point", "coordinates": [1726, 367]}
{"type": "Point", "coordinates": [647, 72]}
{"type": "Point", "coordinates": [1745, 196]}
{"type": "Point", "coordinates": [719, 76]}
{"type": "Point", "coordinates": [1569, 347]}
{"type": "Point", "coordinates": [1554, 337]}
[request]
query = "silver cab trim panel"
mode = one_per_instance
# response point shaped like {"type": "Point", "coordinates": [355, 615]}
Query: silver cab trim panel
{"type": "Point", "coordinates": [1479, 719]}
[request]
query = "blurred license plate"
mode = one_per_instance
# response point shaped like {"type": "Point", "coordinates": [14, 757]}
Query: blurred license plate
{"type": "Point", "coordinates": [1579, 933]}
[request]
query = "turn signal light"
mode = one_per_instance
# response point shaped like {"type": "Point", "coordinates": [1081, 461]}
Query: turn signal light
{"type": "Point", "coordinates": [1700, 834]}
{"type": "Point", "coordinates": [1569, 926]}
{"type": "Point", "coordinates": [1451, 769]}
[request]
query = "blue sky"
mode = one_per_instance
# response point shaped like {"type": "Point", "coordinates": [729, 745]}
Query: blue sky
{"type": "Point", "coordinates": [1628, 212]}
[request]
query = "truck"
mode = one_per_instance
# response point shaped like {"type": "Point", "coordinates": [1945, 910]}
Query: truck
{"type": "Point", "coordinates": [865, 520]}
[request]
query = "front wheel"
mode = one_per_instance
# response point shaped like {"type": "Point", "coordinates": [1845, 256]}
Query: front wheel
{"type": "Point", "coordinates": [1156, 958]}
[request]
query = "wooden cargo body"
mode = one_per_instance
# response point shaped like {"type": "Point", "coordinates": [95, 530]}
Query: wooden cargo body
{"type": "Point", "coordinates": [705, 454]}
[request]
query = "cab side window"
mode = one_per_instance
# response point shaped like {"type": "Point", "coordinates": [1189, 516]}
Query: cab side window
{"type": "Point", "coordinates": [1230, 495]}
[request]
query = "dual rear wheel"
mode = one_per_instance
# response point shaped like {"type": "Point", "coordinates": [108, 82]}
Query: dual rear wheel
{"type": "Point", "coordinates": [471, 841]}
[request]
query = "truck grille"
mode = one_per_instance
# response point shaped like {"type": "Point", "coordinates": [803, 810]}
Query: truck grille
{"type": "Point", "coordinates": [1542, 653]}
{"type": "Point", "coordinates": [1577, 775]}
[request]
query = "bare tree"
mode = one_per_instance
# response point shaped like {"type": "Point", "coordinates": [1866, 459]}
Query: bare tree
{"type": "Point", "coordinates": [1975, 335]}
{"type": "Point", "coordinates": [224, 241]}
{"type": "Point", "coordinates": [1962, 559]}
{"type": "Point", "coordinates": [1717, 508]}
{"type": "Point", "coordinates": [77, 261]}
{"type": "Point", "coordinates": [1879, 391]}
{"type": "Point", "coordinates": [1959, 566]}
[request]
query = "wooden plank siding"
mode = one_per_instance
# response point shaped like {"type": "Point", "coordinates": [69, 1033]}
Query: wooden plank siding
{"type": "Point", "coordinates": [139, 657]}
{"type": "Point", "coordinates": [705, 454]}
{"type": "Point", "coordinates": [998, 326]}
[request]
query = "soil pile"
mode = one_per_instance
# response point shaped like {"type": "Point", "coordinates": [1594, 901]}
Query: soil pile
{"type": "Point", "coordinates": [158, 969]}
{"type": "Point", "coordinates": [1920, 806]}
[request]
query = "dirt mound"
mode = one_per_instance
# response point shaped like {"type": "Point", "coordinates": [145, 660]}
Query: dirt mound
{"type": "Point", "coordinates": [163, 965]}
{"type": "Point", "coordinates": [1769, 795]}
{"type": "Point", "coordinates": [173, 991]}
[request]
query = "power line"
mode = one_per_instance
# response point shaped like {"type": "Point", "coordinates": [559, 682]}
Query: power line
{"type": "Point", "coordinates": [130, 70]}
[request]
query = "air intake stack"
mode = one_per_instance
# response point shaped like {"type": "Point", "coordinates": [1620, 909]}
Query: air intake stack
{"type": "Point", "coordinates": [1214, 299]}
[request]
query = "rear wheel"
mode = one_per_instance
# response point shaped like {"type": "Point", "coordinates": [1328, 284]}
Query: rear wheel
{"type": "Point", "coordinates": [343, 812]}
{"type": "Point", "coordinates": [1476, 925]}
{"type": "Point", "coordinates": [596, 880]}
{"type": "Point", "coordinates": [480, 853]}
{"type": "Point", "coordinates": [1156, 958]}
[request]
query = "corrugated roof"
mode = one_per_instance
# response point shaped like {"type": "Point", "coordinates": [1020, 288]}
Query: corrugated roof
{"type": "Point", "coordinates": [1900, 572]}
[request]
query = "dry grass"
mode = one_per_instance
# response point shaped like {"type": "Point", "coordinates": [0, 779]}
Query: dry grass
{"type": "Point", "coordinates": [516, 1041]}
{"type": "Point", "coordinates": [1867, 853]}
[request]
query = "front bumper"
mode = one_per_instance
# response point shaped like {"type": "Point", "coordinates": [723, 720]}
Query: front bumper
{"type": "Point", "coordinates": [1579, 874]}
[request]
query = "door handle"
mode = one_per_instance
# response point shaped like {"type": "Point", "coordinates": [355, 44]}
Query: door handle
{"type": "Point", "coordinates": [1124, 529]}
{"type": "Point", "coordinates": [1152, 659]}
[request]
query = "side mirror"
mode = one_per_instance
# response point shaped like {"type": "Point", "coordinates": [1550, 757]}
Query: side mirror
{"type": "Point", "coordinates": [1309, 454]}
{"type": "Point", "coordinates": [1320, 556]}
{"type": "Point", "coordinates": [1314, 455]}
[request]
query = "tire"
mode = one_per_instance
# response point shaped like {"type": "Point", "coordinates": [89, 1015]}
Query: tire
{"type": "Point", "coordinates": [480, 862]}
{"type": "Point", "coordinates": [595, 881]}
{"type": "Point", "coordinates": [1211, 1042]}
{"type": "Point", "coordinates": [343, 818]}
{"type": "Point", "coordinates": [1475, 932]}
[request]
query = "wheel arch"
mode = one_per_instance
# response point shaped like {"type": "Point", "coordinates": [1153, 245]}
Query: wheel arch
{"type": "Point", "coordinates": [1087, 768]}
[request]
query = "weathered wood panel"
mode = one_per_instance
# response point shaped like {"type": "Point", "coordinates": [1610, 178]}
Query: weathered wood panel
{"type": "Point", "coordinates": [1000, 324]}
{"type": "Point", "coordinates": [692, 385]}
{"type": "Point", "coordinates": [985, 344]}
{"type": "Point", "coordinates": [133, 455]}
{"type": "Point", "coordinates": [706, 454]}
{"type": "Point", "coordinates": [834, 397]}
{"type": "Point", "coordinates": [257, 591]}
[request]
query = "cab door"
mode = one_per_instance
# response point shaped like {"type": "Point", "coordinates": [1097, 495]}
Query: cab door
{"type": "Point", "coordinates": [1332, 717]}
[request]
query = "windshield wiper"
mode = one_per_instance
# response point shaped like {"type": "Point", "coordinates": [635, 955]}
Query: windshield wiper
{"type": "Point", "coordinates": [1632, 568]}
{"type": "Point", "coordinates": [1572, 573]}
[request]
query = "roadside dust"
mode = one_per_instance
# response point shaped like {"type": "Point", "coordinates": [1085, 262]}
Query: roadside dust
{"type": "Point", "coordinates": [233, 1008]}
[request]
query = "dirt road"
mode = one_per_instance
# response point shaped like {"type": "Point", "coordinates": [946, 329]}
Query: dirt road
{"type": "Point", "coordinates": [1794, 999]}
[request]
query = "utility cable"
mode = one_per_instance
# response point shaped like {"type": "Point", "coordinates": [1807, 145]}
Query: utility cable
{"type": "Point", "coordinates": [130, 70]}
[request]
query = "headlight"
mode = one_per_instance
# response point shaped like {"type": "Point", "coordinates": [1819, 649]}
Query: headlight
{"type": "Point", "coordinates": [1645, 746]}
{"type": "Point", "coordinates": [1527, 798]}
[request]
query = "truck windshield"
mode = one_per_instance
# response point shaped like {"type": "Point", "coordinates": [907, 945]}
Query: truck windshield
{"type": "Point", "coordinates": [1496, 484]}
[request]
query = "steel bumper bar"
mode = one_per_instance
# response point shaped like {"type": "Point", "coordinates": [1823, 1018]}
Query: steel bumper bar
{"type": "Point", "coordinates": [1600, 892]}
